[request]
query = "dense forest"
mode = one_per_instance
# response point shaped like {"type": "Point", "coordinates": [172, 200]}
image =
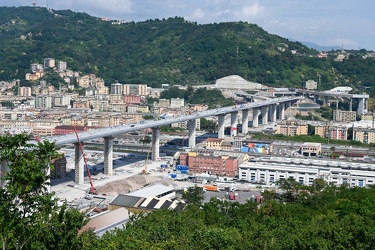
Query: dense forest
{"type": "Point", "coordinates": [172, 51]}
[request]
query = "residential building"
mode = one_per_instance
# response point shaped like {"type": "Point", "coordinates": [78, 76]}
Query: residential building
{"type": "Point", "coordinates": [35, 76]}
{"type": "Point", "coordinates": [344, 116]}
{"type": "Point", "coordinates": [177, 103]}
{"type": "Point", "coordinates": [184, 124]}
{"type": "Point", "coordinates": [368, 117]}
{"type": "Point", "coordinates": [143, 109]}
{"type": "Point", "coordinates": [103, 90]}
{"type": "Point", "coordinates": [135, 89]}
{"type": "Point", "coordinates": [117, 106]}
{"type": "Point", "coordinates": [64, 129]}
{"type": "Point", "coordinates": [292, 128]}
{"type": "Point", "coordinates": [61, 66]}
{"type": "Point", "coordinates": [36, 67]}
{"type": "Point", "coordinates": [163, 103]}
{"type": "Point", "coordinates": [24, 91]}
{"type": "Point", "coordinates": [62, 100]}
{"type": "Point", "coordinates": [132, 99]}
{"type": "Point", "coordinates": [43, 101]}
{"type": "Point", "coordinates": [41, 131]}
{"type": "Point", "coordinates": [338, 133]}
{"type": "Point", "coordinates": [331, 131]}
{"type": "Point", "coordinates": [81, 104]}
{"type": "Point", "coordinates": [227, 145]}
{"type": "Point", "coordinates": [117, 89]}
{"type": "Point", "coordinates": [310, 85]}
{"type": "Point", "coordinates": [214, 143]}
{"type": "Point", "coordinates": [222, 165]}
{"type": "Point", "coordinates": [49, 62]}
{"type": "Point", "coordinates": [364, 135]}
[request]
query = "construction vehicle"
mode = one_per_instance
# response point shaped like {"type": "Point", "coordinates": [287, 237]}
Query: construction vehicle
{"type": "Point", "coordinates": [92, 188]}
{"type": "Point", "coordinates": [211, 188]}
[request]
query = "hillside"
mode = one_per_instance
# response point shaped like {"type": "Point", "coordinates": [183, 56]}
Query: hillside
{"type": "Point", "coordinates": [171, 51]}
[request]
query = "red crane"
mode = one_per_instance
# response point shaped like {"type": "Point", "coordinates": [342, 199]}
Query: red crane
{"type": "Point", "coordinates": [92, 189]}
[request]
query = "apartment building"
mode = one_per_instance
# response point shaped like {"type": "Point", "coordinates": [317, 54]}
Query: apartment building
{"type": "Point", "coordinates": [24, 91]}
{"type": "Point", "coordinates": [364, 135]}
{"type": "Point", "coordinates": [336, 132]}
{"type": "Point", "coordinates": [135, 89]}
{"type": "Point", "coordinates": [42, 131]}
{"type": "Point", "coordinates": [49, 63]}
{"type": "Point", "coordinates": [132, 99]}
{"type": "Point", "coordinates": [368, 117]}
{"type": "Point", "coordinates": [43, 101]}
{"type": "Point", "coordinates": [292, 128]}
{"type": "Point", "coordinates": [62, 100]}
{"type": "Point", "coordinates": [310, 85]}
{"type": "Point", "coordinates": [205, 163]}
{"type": "Point", "coordinates": [117, 107]}
{"type": "Point", "coordinates": [177, 103]}
{"type": "Point", "coordinates": [61, 66]}
{"type": "Point", "coordinates": [344, 116]}
{"type": "Point", "coordinates": [117, 89]}
{"type": "Point", "coordinates": [163, 103]}
{"type": "Point", "coordinates": [214, 143]}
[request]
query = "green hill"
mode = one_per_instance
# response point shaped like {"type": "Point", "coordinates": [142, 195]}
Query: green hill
{"type": "Point", "coordinates": [172, 51]}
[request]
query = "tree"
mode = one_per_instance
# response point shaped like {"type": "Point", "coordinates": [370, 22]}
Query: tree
{"type": "Point", "coordinates": [147, 139]}
{"type": "Point", "coordinates": [28, 211]}
{"type": "Point", "coordinates": [291, 187]}
{"type": "Point", "coordinates": [193, 195]}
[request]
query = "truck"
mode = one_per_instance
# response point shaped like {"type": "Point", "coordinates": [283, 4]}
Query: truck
{"type": "Point", "coordinates": [233, 196]}
{"type": "Point", "coordinates": [211, 188]}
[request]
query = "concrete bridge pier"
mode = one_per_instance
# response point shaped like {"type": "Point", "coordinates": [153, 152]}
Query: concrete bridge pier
{"type": "Point", "coordinates": [221, 121]}
{"type": "Point", "coordinates": [265, 115]}
{"type": "Point", "coordinates": [155, 143]}
{"type": "Point", "coordinates": [245, 121]}
{"type": "Point", "coordinates": [282, 111]}
{"type": "Point", "coordinates": [362, 106]}
{"type": "Point", "coordinates": [256, 114]}
{"type": "Point", "coordinates": [108, 155]}
{"type": "Point", "coordinates": [79, 164]}
{"type": "Point", "coordinates": [192, 127]}
{"type": "Point", "coordinates": [273, 113]}
{"type": "Point", "coordinates": [233, 123]}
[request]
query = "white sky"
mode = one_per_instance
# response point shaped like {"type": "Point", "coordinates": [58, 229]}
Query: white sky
{"type": "Point", "coordinates": [346, 23]}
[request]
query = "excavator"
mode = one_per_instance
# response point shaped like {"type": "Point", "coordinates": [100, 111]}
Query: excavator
{"type": "Point", "coordinates": [92, 188]}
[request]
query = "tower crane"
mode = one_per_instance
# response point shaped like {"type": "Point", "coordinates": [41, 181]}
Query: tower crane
{"type": "Point", "coordinates": [92, 188]}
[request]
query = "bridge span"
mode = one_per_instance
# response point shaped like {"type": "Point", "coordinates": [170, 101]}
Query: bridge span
{"type": "Point", "coordinates": [269, 110]}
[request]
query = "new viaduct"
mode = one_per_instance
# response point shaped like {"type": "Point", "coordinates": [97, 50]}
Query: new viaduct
{"type": "Point", "coordinates": [265, 111]}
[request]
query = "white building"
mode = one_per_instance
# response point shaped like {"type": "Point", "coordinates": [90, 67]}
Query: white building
{"type": "Point", "coordinates": [61, 66]}
{"type": "Point", "coordinates": [43, 101]}
{"type": "Point", "coordinates": [177, 103]}
{"type": "Point", "coordinates": [306, 171]}
{"type": "Point", "coordinates": [117, 89]}
{"type": "Point", "coordinates": [310, 84]}
{"type": "Point", "coordinates": [49, 62]}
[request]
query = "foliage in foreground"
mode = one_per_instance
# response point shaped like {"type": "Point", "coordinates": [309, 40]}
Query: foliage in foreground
{"type": "Point", "coordinates": [320, 216]}
{"type": "Point", "coordinates": [30, 217]}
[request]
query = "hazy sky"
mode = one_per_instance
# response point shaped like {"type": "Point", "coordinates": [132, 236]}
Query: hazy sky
{"type": "Point", "coordinates": [348, 23]}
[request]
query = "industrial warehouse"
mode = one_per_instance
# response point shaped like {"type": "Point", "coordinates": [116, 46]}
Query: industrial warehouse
{"type": "Point", "coordinates": [305, 171]}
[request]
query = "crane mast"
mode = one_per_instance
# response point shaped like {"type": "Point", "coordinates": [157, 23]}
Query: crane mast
{"type": "Point", "coordinates": [92, 188]}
